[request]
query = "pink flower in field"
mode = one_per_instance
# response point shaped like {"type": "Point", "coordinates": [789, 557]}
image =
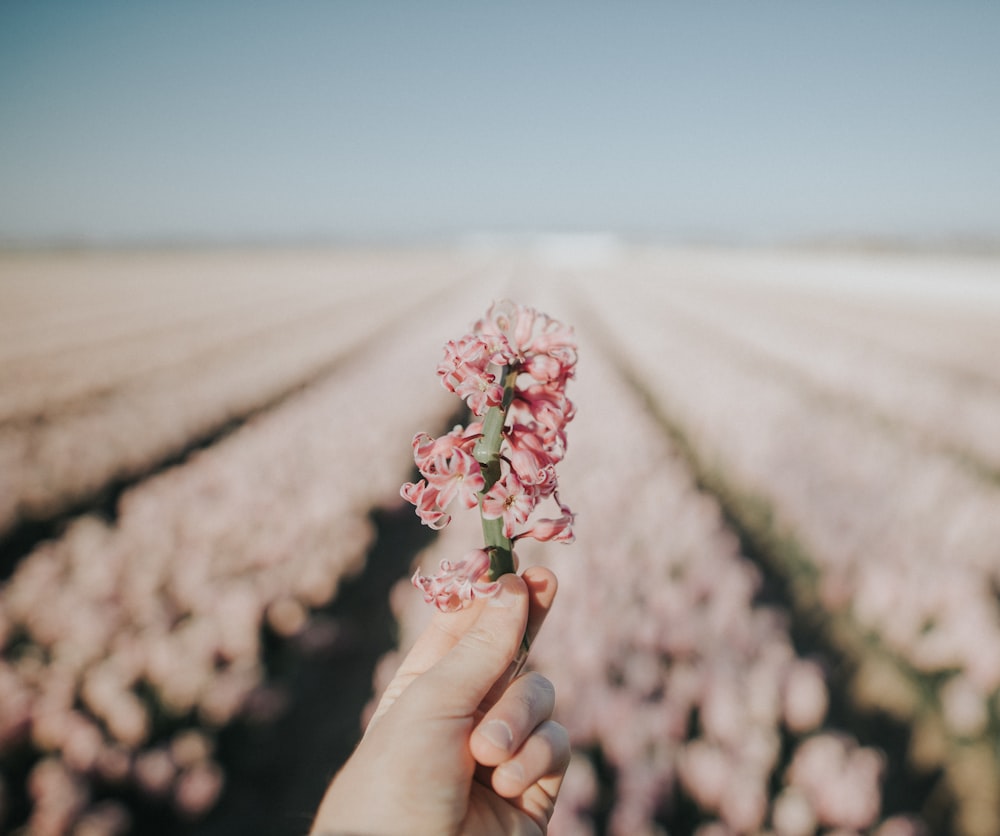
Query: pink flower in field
{"type": "Point", "coordinates": [457, 583]}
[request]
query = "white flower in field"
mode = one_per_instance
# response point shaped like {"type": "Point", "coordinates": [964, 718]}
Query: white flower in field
{"type": "Point", "coordinates": [983, 664]}
{"type": "Point", "coordinates": [805, 696]}
{"type": "Point", "coordinates": [762, 682]}
{"type": "Point", "coordinates": [49, 723]}
{"type": "Point", "coordinates": [580, 786]}
{"type": "Point", "coordinates": [113, 763]}
{"type": "Point", "coordinates": [198, 788]}
{"type": "Point", "coordinates": [128, 721]}
{"type": "Point", "coordinates": [58, 794]}
{"type": "Point", "coordinates": [638, 789]}
{"type": "Point", "coordinates": [190, 747]}
{"type": "Point", "coordinates": [106, 818]}
{"type": "Point", "coordinates": [744, 803]}
{"type": "Point", "coordinates": [237, 616]}
{"type": "Point", "coordinates": [901, 826]}
{"type": "Point", "coordinates": [643, 672]}
{"type": "Point", "coordinates": [154, 771]}
{"type": "Point", "coordinates": [713, 828]}
{"type": "Point", "coordinates": [759, 749]}
{"type": "Point", "coordinates": [705, 772]}
{"type": "Point", "coordinates": [840, 778]}
{"type": "Point", "coordinates": [286, 616]}
{"type": "Point", "coordinates": [964, 707]}
{"type": "Point", "coordinates": [792, 814]}
{"type": "Point", "coordinates": [226, 693]}
{"type": "Point", "coordinates": [82, 744]}
{"type": "Point", "coordinates": [723, 713]}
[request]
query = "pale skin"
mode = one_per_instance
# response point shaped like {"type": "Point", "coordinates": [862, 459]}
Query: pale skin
{"type": "Point", "coordinates": [454, 747]}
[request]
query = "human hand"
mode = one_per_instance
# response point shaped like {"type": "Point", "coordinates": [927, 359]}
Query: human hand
{"type": "Point", "coordinates": [453, 747]}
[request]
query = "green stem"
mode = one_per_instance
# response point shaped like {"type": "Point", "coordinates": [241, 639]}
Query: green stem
{"type": "Point", "coordinates": [487, 453]}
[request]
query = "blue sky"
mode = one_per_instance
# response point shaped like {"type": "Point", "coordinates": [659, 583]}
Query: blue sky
{"type": "Point", "coordinates": [731, 121]}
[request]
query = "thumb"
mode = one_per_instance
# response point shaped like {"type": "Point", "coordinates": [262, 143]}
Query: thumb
{"type": "Point", "coordinates": [457, 684]}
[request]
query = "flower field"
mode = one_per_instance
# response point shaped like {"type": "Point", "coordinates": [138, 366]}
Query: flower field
{"type": "Point", "coordinates": [779, 615]}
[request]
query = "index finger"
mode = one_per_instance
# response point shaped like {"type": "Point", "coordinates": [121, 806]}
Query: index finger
{"type": "Point", "coordinates": [446, 629]}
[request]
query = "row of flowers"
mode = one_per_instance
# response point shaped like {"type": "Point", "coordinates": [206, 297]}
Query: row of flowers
{"type": "Point", "coordinates": [891, 534]}
{"type": "Point", "coordinates": [664, 663]}
{"type": "Point", "coordinates": [128, 645]}
{"type": "Point", "coordinates": [920, 372]}
{"type": "Point", "coordinates": [96, 407]}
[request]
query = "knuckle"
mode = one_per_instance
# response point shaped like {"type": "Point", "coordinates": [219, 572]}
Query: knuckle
{"type": "Point", "coordinates": [479, 638]}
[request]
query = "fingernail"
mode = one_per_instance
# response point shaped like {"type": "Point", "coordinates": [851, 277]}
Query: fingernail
{"type": "Point", "coordinates": [505, 597]}
{"type": "Point", "coordinates": [513, 770]}
{"type": "Point", "coordinates": [498, 733]}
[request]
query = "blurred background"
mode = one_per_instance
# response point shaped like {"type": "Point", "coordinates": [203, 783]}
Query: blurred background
{"type": "Point", "coordinates": [310, 121]}
{"type": "Point", "coordinates": [233, 238]}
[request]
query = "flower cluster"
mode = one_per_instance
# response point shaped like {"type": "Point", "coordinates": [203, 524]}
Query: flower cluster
{"type": "Point", "coordinates": [511, 370]}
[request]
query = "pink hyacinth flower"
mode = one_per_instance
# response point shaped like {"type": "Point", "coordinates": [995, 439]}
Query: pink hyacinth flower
{"type": "Point", "coordinates": [511, 499]}
{"type": "Point", "coordinates": [457, 583]}
{"type": "Point", "coordinates": [426, 448]}
{"type": "Point", "coordinates": [457, 477]}
{"type": "Point", "coordinates": [459, 356]}
{"type": "Point", "coordinates": [465, 370]}
{"type": "Point", "coordinates": [480, 391]}
{"type": "Point", "coordinates": [558, 530]}
{"type": "Point", "coordinates": [424, 497]}
{"type": "Point", "coordinates": [530, 457]}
